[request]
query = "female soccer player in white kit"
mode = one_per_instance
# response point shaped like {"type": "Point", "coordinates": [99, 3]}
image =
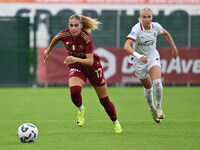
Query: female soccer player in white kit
{"type": "Point", "coordinates": [141, 45]}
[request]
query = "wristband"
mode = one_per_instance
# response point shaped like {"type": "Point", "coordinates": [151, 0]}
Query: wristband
{"type": "Point", "coordinates": [137, 55]}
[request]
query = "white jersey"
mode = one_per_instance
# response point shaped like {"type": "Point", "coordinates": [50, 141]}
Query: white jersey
{"type": "Point", "coordinates": [145, 40]}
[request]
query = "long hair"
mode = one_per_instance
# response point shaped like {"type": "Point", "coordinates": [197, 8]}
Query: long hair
{"type": "Point", "coordinates": [88, 23]}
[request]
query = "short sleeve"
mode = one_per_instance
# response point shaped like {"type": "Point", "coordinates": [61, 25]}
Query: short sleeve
{"type": "Point", "coordinates": [88, 44]}
{"type": "Point", "coordinates": [133, 34]}
{"type": "Point", "coordinates": [57, 36]}
{"type": "Point", "coordinates": [158, 28]}
{"type": "Point", "coordinates": [62, 34]}
{"type": "Point", "coordinates": [89, 48]}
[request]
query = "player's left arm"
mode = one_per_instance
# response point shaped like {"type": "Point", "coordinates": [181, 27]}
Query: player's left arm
{"type": "Point", "coordinates": [171, 42]}
{"type": "Point", "coordinates": [88, 61]}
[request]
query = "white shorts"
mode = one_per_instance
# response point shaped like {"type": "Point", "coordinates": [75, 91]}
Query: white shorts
{"type": "Point", "coordinates": [142, 69]}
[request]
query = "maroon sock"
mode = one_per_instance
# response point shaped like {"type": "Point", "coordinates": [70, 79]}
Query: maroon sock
{"type": "Point", "coordinates": [109, 107]}
{"type": "Point", "coordinates": [76, 95]}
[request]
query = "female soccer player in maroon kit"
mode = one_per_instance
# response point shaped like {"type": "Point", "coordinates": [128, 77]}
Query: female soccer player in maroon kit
{"type": "Point", "coordinates": [84, 64]}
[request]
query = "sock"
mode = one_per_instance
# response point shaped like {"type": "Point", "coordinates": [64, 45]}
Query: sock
{"type": "Point", "coordinates": [148, 93]}
{"type": "Point", "coordinates": [81, 107]}
{"type": "Point", "coordinates": [76, 95]}
{"type": "Point", "coordinates": [115, 121]}
{"type": "Point", "coordinates": [158, 91]}
{"type": "Point", "coordinates": [109, 108]}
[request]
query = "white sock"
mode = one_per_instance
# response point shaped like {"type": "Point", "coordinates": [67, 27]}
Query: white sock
{"type": "Point", "coordinates": [158, 91]}
{"type": "Point", "coordinates": [148, 93]}
{"type": "Point", "coordinates": [81, 107]}
{"type": "Point", "coordinates": [115, 121]}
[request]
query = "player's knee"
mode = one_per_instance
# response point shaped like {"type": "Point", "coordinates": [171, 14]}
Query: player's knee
{"type": "Point", "coordinates": [157, 83]}
{"type": "Point", "coordinates": [75, 92]}
{"type": "Point", "coordinates": [148, 91]}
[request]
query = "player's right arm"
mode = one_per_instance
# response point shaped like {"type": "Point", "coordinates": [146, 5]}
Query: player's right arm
{"type": "Point", "coordinates": [129, 49]}
{"type": "Point", "coordinates": [129, 42]}
{"type": "Point", "coordinates": [47, 51]}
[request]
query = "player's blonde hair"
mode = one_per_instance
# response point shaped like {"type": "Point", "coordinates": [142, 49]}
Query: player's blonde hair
{"type": "Point", "coordinates": [88, 22]}
{"type": "Point", "coordinates": [145, 9]}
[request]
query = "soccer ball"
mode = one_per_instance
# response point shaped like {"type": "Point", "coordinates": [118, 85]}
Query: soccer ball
{"type": "Point", "coordinates": [27, 133]}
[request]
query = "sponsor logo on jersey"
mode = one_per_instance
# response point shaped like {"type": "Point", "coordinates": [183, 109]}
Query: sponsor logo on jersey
{"type": "Point", "coordinates": [72, 70]}
{"type": "Point", "coordinates": [146, 43]}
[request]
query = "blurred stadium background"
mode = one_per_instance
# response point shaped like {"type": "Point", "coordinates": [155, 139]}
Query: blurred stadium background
{"type": "Point", "coordinates": [27, 27]}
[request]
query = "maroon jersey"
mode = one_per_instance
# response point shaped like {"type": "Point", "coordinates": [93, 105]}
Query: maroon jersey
{"type": "Point", "coordinates": [79, 47]}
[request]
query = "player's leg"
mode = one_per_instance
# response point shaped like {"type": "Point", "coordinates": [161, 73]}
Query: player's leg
{"type": "Point", "coordinates": [105, 102]}
{"type": "Point", "coordinates": [155, 73]}
{"type": "Point", "coordinates": [148, 93]}
{"type": "Point", "coordinates": [97, 80]}
{"type": "Point", "coordinates": [108, 106]}
{"type": "Point", "coordinates": [76, 82]}
{"type": "Point", "coordinates": [142, 73]}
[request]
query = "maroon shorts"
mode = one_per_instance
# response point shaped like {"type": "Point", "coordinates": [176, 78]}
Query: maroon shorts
{"type": "Point", "coordinates": [94, 74]}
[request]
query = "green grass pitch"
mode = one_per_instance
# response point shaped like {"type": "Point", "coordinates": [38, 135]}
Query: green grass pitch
{"type": "Point", "coordinates": [52, 111]}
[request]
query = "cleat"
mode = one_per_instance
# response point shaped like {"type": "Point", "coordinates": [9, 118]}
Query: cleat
{"type": "Point", "coordinates": [117, 127]}
{"type": "Point", "coordinates": [160, 113]}
{"type": "Point", "coordinates": [80, 118]}
{"type": "Point", "coordinates": [155, 116]}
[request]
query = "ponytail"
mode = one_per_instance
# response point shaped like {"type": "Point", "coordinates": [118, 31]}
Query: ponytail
{"type": "Point", "coordinates": [90, 23]}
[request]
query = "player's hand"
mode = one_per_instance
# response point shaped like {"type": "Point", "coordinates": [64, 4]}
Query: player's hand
{"type": "Point", "coordinates": [144, 59]}
{"type": "Point", "coordinates": [174, 52]}
{"type": "Point", "coordinates": [46, 55]}
{"type": "Point", "coordinates": [69, 60]}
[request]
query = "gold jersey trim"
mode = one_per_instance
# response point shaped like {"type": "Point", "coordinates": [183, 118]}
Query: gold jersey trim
{"type": "Point", "coordinates": [64, 34]}
{"type": "Point", "coordinates": [85, 37]}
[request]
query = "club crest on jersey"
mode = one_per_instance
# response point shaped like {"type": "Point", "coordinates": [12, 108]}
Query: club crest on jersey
{"type": "Point", "coordinates": [81, 47]}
